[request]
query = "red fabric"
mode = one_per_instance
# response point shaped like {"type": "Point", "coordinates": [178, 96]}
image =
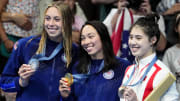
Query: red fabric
{"type": "Point", "coordinates": [116, 36]}
{"type": "Point", "coordinates": [149, 86]}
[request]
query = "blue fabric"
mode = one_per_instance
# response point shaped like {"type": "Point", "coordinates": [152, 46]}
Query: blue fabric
{"type": "Point", "coordinates": [44, 83]}
{"type": "Point", "coordinates": [125, 51]}
{"type": "Point", "coordinates": [97, 87]}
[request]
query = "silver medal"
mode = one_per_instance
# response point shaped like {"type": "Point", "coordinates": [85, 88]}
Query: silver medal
{"type": "Point", "coordinates": [34, 63]}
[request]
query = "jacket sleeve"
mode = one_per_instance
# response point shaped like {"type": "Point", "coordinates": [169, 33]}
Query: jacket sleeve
{"type": "Point", "coordinates": [9, 80]}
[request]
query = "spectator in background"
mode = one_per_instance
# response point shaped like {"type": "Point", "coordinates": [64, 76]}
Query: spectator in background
{"type": "Point", "coordinates": [172, 55]}
{"type": "Point", "coordinates": [19, 19]}
{"type": "Point", "coordinates": [79, 18]}
{"type": "Point", "coordinates": [166, 7]}
{"type": "Point", "coordinates": [120, 20]}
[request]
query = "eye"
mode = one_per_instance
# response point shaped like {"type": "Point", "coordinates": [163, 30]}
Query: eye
{"type": "Point", "coordinates": [130, 37]}
{"type": "Point", "coordinates": [47, 18]}
{"type": "Point", "coordinates": [138, 37]}
{"type": "Point", "coordinates": [57, 19]}
{"type": "Point", "coordinates": [91, 35]}
{"type": "Point", "coordinates": [82, 38]}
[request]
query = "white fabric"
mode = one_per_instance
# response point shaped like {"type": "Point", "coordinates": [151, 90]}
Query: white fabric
{"type": "Point", "coordinates": [113, 11]}
{"type": "Point", "coordinates": [170, 95]}
{"type": "Point", "coordinates": [172, 60]}
{"type": "Point", "coordinates": [80, 12]}
{"type": "Point", "coordinates": [28, 7]}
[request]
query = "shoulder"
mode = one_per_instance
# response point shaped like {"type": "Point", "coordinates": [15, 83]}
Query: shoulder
{"type": "Point", "coordinates": [123, 61]}
{"type": "Point", "coordinates": [122, 64]}
{"type": "Point", "coordinates": [171, 52]}
{"type": "Point", "coordinates": [172, 49]}
{"type": "Point", "coordinates": [161, 65]}
{"type": "Point", "coordinates": [25, 41]}
{"type": "Point", "coordinates": [75, 48]}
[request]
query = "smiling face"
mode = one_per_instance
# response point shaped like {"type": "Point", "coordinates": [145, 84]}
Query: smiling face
{"type": "Point", "coordinates": [53, 24]}
{"type": "Point", "coordinates": [91, 42]}
{"type": "Point", "coordinates": [140, 44]}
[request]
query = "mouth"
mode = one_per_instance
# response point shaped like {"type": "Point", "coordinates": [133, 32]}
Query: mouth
{"type": "Point", "coordinates": [52, 30]}
{"type": "Point", "coordinates": [134, 49]}
{"type": "Point", "coordinates": [89, 47]}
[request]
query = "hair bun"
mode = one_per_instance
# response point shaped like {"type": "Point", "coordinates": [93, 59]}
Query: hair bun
{"type": "Point", "coordinates": [153, 17]}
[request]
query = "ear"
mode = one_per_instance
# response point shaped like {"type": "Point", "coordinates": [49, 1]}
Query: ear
{"type": "Point", "coordinates": [153, 40]}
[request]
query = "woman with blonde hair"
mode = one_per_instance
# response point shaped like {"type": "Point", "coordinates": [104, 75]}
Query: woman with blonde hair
{"type": "Point", "coordinates": [38, 62]}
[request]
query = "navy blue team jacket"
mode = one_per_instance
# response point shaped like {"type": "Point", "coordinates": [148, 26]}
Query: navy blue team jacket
{"type": "Point", "coordinates": [44, 83]}
{"type": "Point", "coordinates": [102, 86]}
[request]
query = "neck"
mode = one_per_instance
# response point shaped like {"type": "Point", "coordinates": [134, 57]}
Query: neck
{"type": "Point", "coordinates": [144, 56]}
{"type": "Point", "coordinates": [96, 57]}
{"type": "Point", "coordinates": [56, 39]}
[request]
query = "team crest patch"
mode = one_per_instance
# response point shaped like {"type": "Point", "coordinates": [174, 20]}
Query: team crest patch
{"type": "Point", "coordinates": [63, 58]}
{"type": "Point", "coordinates": [15, 45]}
{"type": "Point", "coordinates": [109, 74]}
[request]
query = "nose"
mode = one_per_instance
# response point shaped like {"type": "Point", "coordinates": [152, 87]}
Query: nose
{"type": "Point", "coordinates": [131, 41]}
{"type": "Point", "coordinates": [51, 22]}
{"type": "Point", "coordinates": [85, 41]}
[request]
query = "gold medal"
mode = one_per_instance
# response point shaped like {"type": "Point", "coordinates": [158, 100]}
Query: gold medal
{"type": "Point", "coordinates": [69, 78]}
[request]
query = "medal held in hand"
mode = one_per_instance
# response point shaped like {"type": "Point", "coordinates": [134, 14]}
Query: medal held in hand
{"type": "Point", "coordinates": [121, 91]}
{"type": "Point", "coordinates": [34, 63]}
{"type": "Point", "coordinates": [69, 78]}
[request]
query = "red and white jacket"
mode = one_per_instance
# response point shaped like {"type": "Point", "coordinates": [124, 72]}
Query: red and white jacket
{"type": "Point", "coordinates": [151, 80]}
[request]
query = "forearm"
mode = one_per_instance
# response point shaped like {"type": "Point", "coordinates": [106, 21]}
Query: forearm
{"type": "Point", "coordinates": [3, 36]}
{"type": "Point", "coordinates": [5, 17]}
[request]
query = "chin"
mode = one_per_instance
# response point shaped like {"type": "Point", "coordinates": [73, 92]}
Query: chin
{"type": "Point", "coordinates": [135, 54]}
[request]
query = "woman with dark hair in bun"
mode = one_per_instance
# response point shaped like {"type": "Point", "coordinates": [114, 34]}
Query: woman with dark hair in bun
{"type": "Point", "coordinates": [145, 75]}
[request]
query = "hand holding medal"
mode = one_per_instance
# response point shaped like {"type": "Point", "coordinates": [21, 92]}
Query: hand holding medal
{"type": "Point", "coordinates": [69, 79]}
{"type": "Point", "coordinates": [126, 93]}
{"type": "Point", "coordinates": [65, 84]}
{"type": "Point", "coordinates": [121, 91]}
{"type": "Point", "coordinates": [25, 72]}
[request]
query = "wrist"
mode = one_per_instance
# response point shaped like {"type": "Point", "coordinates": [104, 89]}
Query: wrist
{"type": "Point", "coordinates": [23, 82]}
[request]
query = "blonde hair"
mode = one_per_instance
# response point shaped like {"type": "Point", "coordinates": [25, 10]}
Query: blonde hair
{"type": "Point", "coordinates": [67, 19]}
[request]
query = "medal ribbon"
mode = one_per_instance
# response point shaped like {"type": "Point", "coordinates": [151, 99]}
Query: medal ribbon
{"type": "Point", "coordinates": [41, 57]}
{"type": "Point", "coordinates": [144, 75]}
{"type": "Point", "coordinates": [81, 77]}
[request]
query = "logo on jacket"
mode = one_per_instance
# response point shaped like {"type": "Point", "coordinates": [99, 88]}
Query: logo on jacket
{"type": "Point", "coordinates": [63, 58]}
{"type": "Point", "coordinates": [109, 74]}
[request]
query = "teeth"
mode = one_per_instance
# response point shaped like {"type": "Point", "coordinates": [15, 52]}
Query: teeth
{"type": "Point", "coordinates": [88, 47]}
